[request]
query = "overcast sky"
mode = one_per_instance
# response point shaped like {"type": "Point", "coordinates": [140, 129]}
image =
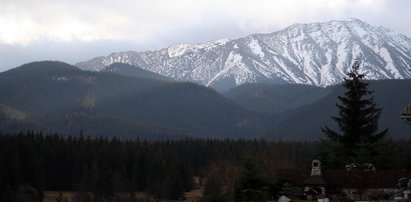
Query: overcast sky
{"type": "Point", "coordinates": [77, 30]}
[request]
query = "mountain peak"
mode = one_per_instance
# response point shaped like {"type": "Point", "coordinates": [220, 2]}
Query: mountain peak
{"type": "Point", "coordinates": [315, 54]}
{"type": "Point", "coordinates": [45, 66]}
{"type": "Point", "coordinates": [183, 48]}
{"type": "Point", "coordinates": [355, 20]}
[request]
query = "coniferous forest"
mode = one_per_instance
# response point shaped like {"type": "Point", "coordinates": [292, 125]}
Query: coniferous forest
{"type": "Point", "coordinates": [100, 168]}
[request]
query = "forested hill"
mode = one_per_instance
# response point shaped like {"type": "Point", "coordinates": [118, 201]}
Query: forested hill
{"type": "Point", "coordinates": [269, 99]}
{"type": "Point", "coordinates": [297, 112]}
{"type": "Point", "coordinates": [305, 122]}
{"type": "Point", "coordinates": [57, 97]}
{"type": "Point", "coordinates": [130, 70]}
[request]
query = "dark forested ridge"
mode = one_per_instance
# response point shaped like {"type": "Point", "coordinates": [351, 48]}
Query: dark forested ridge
{"type": "Point", "coordinates": [272, 99]}
{"type": "Point", "coordinates": [305, 122]}
{"type": "Point", "coordinates": [297, 112]}
{"type": "Point", "coordinates": [271, 102]}
{"type": "Point", "coordinates": [57, 97]}
{"type": "Point", "coordinates": [130, 70]}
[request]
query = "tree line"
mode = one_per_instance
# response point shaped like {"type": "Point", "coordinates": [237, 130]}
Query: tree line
{"type": "Point", "coordinates": [103, 166]}
{"type": "Point", "coordinates": [99, 168]}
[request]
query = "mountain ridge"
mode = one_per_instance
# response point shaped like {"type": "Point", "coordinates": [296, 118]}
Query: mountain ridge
{"type": "Point", "coordinates": [296, 112]}
{"type": "Point", "coordinates": [57, 97]}
{"type": "Point", "coordinates": [130, 70]}
{"type": "Point", "coordinates": [314, 54]}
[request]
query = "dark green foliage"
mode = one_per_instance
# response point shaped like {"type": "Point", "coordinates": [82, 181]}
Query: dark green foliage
{"type": "Point", "coordinates": [269, 99]}
{"type": "Point", "coordinates": [104, 187]}
{"type": "Point", "coordinates": [285, 190]}
{"type": "Point", "coordinates": [105, 167]}
{"type": "Point", "coordinates": [31, 163]}
{"type": "Point", "coordinates": [98, 167]}
{"type": "Point", "coordinates": [10, 172]}
{"type": "Point", "coordinates": [304, 123]}
{"type": "Point", "coordinates": [305, 109]}
{"type": "Point", "coordinates": [251, 186]}
{"type": "Point", "coordinates": [36, 174]}
{"type": "Point", "coordinates": [358, 136]}
{"type": "Point", "coordinates": [220, 180]}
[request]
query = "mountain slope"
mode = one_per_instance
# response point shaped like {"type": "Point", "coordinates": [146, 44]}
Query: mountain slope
{"type": "Point", "coordinates": [271, 99]}
{"type": "Point", "coordinates": [315, 54]}
{"type": "Point", "coordinates": [304, 123]}
{"type": "Point", "coordinates": [57, 97]}
{"type": "Point", "coordinates": [130, 70]}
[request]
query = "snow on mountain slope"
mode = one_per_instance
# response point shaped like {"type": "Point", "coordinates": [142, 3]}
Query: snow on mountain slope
{"type": "Point", "coordinates": [316, 54]}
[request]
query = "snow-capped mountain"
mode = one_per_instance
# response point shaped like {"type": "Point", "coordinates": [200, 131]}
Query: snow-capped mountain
{"type": "Point", "coordinates": [316, 54]}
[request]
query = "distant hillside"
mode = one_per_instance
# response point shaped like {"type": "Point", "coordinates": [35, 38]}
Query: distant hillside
{"type": "Point", "coordinates": [130, 70]}
{"type": "Point", "coordinates": [57, 97]}
{"type": "Point", "coordinates": [274, 98]}
{"type": "Point", "coordinates": [305, 122]}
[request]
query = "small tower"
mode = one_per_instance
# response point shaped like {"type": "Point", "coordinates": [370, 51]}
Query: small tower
{"type": "Point", "coordinates": [315, 183]}
{"type": "Point", "coordinates": [316, 168]}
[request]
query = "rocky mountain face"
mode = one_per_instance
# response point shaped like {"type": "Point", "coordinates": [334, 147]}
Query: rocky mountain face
{"type": "Point", "coordinates": [315, 54]}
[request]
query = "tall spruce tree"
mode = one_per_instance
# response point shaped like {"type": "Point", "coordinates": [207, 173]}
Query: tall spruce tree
{"type": "Point", "coordinates": [358, 136]}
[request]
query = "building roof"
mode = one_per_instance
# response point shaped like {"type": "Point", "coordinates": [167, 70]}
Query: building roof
{"type": "Point", "coordinates": [315, 180]}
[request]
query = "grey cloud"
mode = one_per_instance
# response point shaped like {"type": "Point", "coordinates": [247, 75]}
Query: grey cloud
{"type": "Point", "coordinates": [152, 24]}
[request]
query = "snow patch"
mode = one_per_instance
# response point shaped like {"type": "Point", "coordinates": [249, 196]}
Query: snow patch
{"type": "Point", "coordinates": [181, 49]}
{"type": "Point", "coordinates": [359, 30]}
{"type": "Point", "coordinates": [390, 63]}
{"type": "Point", "coordinates": [256, 48]}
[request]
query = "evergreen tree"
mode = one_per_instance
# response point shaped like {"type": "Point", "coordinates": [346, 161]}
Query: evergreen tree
{"type": "Point", "coordinates": [357, 122]}
{"type": "Point", "coordinates": [105, 183]}
{"type": "Point", "coordinates": [286, 190]}
{"type": "Point", "coordinates": [36, 178]}
{"type": "Point", "coordinates": [250, 186]}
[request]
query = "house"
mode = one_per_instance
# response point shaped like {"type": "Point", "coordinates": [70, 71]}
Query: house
{"type": "Point", "coordinates": [358, 183]}
{"type": "Point", "coordinates": [314, 185]}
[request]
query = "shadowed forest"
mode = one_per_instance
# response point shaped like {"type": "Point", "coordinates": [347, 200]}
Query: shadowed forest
{"type": "Point", "coordinates": [100, 168]}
